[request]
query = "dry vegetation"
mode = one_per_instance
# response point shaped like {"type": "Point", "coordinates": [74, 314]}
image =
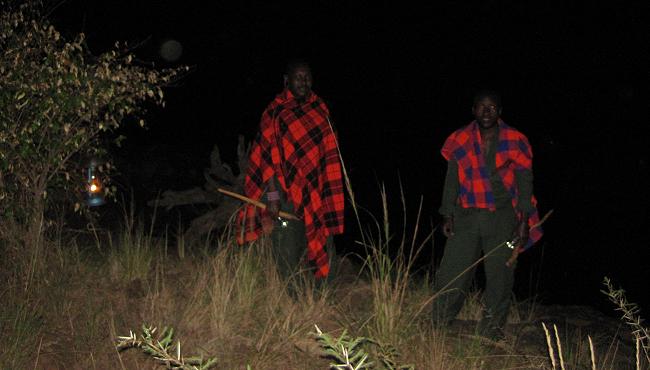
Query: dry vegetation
{"type": "Point", "coordinates": [227, 302]}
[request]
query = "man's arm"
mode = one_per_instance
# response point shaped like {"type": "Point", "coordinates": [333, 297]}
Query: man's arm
{"type": "Point", "coordinates": [259, 160]}
{"type": "Point", "coordinates": [333, 190]}
{"type": "Point", "coordinates": [449, 197]}
{"type": "Point", "coordinates": [273, 199]}
{"type": "Point", "coordinates": [524, 181]}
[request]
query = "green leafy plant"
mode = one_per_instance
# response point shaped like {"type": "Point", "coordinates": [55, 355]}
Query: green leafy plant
{"type": "Point", "coordinates": [347, 351]}
{"type": "Point", "coordinates": [162, 349]}
{"type": "Point", "coordinates": [350, 353]}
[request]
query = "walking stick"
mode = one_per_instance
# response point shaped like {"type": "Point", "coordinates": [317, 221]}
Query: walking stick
{"type": "Point", "coordinates": [256, 203]}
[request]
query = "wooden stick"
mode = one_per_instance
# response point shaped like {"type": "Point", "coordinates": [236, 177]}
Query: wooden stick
{"type": "Point", "coordinates": [256, 203]}
{"type": "Point", "coordinates": [543, 219]}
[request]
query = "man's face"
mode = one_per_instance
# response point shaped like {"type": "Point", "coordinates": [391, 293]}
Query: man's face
{"type": "Point", "coordinates": [299, 82]}
{"type": "Point", "coordinates": [487, 112]}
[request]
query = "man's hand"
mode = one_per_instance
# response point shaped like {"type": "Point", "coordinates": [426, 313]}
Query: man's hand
{"type": "Point", "coordinates": [513, 257]}
{"type": "Point", "coordinates": [272, 211]}
{"type": "Point", "coordinates": [521, 234]}
{"type": "Point", "coordinates": [448, 226]}
{"type": "Point", "coordinates": [519, 239]}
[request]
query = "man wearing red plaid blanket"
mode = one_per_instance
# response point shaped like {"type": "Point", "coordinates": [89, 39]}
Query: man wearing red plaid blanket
{"type": "Point", "coordinates": [294, 167]}
{"type": "Point", "coordinates": [488, 208]}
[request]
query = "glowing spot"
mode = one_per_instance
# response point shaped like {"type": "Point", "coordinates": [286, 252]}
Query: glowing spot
{"type": "Point", "coordinates": [171, 50]}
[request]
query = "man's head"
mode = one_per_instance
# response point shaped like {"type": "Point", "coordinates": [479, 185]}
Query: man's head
{"type": "Point", "coordinates": [487, 108]}
{"type": "Point", "coordinates": [298, 79]}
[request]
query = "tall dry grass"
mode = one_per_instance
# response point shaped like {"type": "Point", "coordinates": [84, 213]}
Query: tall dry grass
{"type": "Point", "coordinates": [389, 265]}
{"type": "Point", "coordinates": [229, 302]}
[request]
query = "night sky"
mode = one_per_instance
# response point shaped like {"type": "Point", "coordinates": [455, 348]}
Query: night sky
{"type": "Point", "coordinates": [399, 80]}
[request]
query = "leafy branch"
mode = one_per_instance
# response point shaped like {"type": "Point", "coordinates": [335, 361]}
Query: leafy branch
{"type": "Point", "coordinates": [350, 354]}
{"type": "Point", "coordinates": [161, 348]}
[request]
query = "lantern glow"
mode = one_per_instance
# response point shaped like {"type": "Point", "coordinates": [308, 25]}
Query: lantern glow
{"type": "Point", "coordinates": [94, 196]}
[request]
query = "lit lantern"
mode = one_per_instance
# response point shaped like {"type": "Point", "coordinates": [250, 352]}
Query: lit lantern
{"type": "Point", "coordinates": [94, 188]}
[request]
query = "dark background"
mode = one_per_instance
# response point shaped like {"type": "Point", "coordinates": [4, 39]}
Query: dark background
{"type": "Point", "coordinates": [399, 80]}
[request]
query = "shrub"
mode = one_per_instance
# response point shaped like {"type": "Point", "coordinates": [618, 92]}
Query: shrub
{"type": "Point", "coordinates": [57, 103]}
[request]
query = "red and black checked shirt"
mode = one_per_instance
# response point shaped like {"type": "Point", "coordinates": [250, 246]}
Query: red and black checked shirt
{"type": "Point", "coordinates": [513, 153]}
{"type": "Point", "coordinates": [296, 144]}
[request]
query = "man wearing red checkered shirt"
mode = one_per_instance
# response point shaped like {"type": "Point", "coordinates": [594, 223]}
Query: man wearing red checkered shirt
{"type": "Point", "coordinates": [294, 167]}
{"type": "Point", "coordinates": [487, 208]}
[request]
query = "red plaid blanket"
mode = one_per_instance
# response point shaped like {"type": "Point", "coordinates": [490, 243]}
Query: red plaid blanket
{"type": "Point", "coordinates": [513, 153]}
{"type": "Point", "coordinates": [297, 146]}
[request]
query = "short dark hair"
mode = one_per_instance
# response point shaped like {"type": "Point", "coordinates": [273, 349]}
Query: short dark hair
{"type": "Point", "coordinates": [294, 64]}
{"type": "Point", "coordinates": [493, 95]}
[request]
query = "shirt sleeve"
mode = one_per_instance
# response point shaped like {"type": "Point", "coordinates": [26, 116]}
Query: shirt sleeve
{"type": "Point", "coordinates": [450, 190]}
{"type": "Point", "coordinates": [524, 180]}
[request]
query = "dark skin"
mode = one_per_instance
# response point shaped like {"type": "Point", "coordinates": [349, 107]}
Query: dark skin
{"type": "Point", "coordinates": [299, 82]}
{"type": "Point", "coordinates": [486, 113]}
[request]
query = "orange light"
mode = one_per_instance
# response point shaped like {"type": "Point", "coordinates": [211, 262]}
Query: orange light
{"type": "Point", "coordinates": [95, 186]}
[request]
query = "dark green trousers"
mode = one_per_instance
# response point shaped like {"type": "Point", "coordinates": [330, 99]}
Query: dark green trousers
{"type": "Point", "coordinates": [289, 242]}
{"type": "Point", "coordinates": [477, 232]}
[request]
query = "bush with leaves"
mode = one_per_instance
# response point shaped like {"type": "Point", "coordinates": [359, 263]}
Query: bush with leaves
{"type": "Point", "coordinates": [162, 349]}
{"type": "Point", "coordinates": [57, 103]}
{"type": "Point", "coordinates": [351, 353]}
